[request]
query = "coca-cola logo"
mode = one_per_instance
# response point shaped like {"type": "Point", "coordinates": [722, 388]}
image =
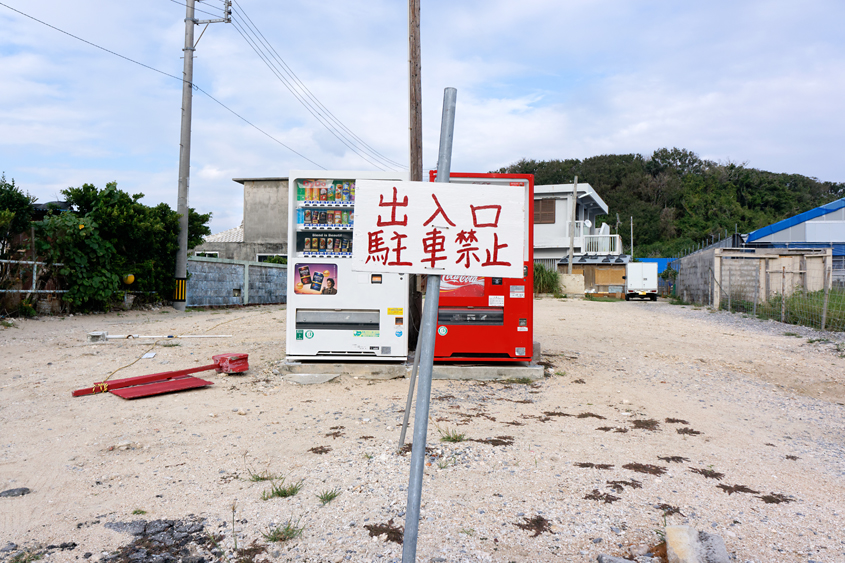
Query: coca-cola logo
{"type": "Point", "coordinates": [462, 279]}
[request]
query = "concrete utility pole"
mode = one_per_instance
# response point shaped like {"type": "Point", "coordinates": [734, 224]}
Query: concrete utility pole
{"type": "Point", "coordinates": [180, 293]}
{"type": "Point", "coordinates": [572, 226]}
{"type": "Point", "coordinates": [632, 238]}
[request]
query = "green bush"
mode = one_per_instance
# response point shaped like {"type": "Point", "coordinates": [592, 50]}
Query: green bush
{"type": "Point", "coordinates": [546, 281]}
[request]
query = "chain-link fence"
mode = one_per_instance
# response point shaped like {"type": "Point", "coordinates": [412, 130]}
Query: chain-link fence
{"type": "Point", "coordinates": [795, 288]}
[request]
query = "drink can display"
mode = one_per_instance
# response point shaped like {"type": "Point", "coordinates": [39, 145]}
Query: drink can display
{"type": "Point", "coordinates": [346, 191]}
{"type": "Point", "coordinates": [307, 217]}
{"type": "Point", "coordinates": [317, 281]}
{"type": "Point", "coordinates": [351, 218]}
{"type": "Point", "coordinates": [323, 219]}
{"type": "Point", "coordinates": [338, 217]}
{"type": "Point", "coordinates": [344, 218]}
{"type": "Point", "coordinates": [306, 190]}
{"type": "Point", "coordinates": [338, 194]}
{"type": "Point", "coordinates": [343, 245]}
{"type": "Point", "coordinates": [330, 192]}
{"type": "Point", "coordinates": [330, 245]}
{"type": "Point", "coordinates": [323, 194]}
{"type": "Point", "coordinates": [315, 244]}
{"type": "Point", "coordinates": [349, 247]}
{"type": "Point", "coordinates": [322, 245]}
{"type": "Point", "coordinates": [306, 248]}
{"type": "Point", "coordinates": [305, 275]}
{"type": "Point", "coordinates": [352, 191]}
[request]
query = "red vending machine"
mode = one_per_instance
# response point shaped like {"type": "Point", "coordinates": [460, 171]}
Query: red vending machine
{"type": "Point", "coordinates": [489, 319]}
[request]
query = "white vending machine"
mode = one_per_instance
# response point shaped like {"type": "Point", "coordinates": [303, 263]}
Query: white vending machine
{"type": "Point", "coordinates": [334, 313]}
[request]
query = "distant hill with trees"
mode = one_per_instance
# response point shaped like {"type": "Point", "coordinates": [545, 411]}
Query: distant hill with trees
{"type": "Point", "coordinates": [678, 199]}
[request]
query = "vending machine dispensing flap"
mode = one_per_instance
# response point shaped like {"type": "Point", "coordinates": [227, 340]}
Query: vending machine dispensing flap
{"type": "Point", "coordinates": [338, 319]}
{"type": "Point", "coordinates": [484, 316]}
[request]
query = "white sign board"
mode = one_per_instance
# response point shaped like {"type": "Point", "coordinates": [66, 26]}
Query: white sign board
{"type": "Point", "coordinates": [439, 228]}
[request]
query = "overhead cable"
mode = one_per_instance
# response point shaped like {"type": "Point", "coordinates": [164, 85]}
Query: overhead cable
{"type": "Point", "coordinates": [295, 85]}
{"type": "Point", "coordinates": [233, 112]}
{"type": "Point", "coordinates": [330, 128]}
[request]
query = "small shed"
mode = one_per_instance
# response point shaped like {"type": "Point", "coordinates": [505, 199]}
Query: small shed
{"type": "Point", "coordinates": [604, 275]}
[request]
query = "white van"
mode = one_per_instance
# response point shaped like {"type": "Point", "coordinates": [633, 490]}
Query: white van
{"type": "Point", "coordinates": [641, 280]}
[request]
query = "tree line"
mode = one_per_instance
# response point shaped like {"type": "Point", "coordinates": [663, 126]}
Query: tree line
{"type": "Point", "coordinates": [678, 199]}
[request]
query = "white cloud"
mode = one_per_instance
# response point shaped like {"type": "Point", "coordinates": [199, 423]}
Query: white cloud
{"type": "Point", "coordinates": [757, 81]}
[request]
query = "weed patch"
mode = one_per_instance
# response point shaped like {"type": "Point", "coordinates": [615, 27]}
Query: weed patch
{"type": "Point", "coordinates": [394, 533]}
{"type": "Point", "coordinates": [286, 532]}
{"type": "Point", "coordinates": [672, 459]}
{"type": "Point", "coordinates": [452, 436]}
{"type": "Point", "coordinates": [497, 441]}
{"type": "Point", "coordinates": [648, 424]}
{"type": "Point", "coordinates": [328, 495]}
{"type": "Point", "coordinates": [688, 431]}
{"type": "Point", "coordinates": [580, 381]}
{"type": "Point", "coordinates": [731, 489]}
{"type": "Point", "coordinates": [709, 473]}
{"type": "Point", "coordinates": [676, 421]}
{"type": "Point", "coordinates": [537, 524]}
{"type": "Point", "coordinates": [619, 486]}
{"type": "Point", "coordinates": [645, 468]}
{"type": "Point", "coordinates": [281, 490]}
{"type": "Point", "coordinates": [775, 498]}
{"type": "Point", "coordinates": [668, 509]}
{"type": "Point", "coordinates": [588, 465]}
{"type": "Point", "coordinates": [591, 415]}
{"type": "Point", "coordinates": [607, 498]}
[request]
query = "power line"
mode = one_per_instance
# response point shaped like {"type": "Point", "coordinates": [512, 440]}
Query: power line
{"type": "Point", "coordinates": [198, 10]}
{"type": "Point", "coordinates": [331, 129]}
{"type": "Point", "coordinates": [301, 85]}
{"type": "Point", "coordinates": [233, 112]}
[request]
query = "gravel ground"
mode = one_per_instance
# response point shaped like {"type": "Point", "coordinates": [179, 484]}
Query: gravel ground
{"type": "Point", "coordinates": [651, 414]}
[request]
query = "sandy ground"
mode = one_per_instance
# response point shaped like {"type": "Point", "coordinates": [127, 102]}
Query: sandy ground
{"type": "Point", "coordinates": [762, 403]}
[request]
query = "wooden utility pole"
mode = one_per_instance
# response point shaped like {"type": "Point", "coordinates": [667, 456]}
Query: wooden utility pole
{"type": "Point", "coordinates": [415, 90]}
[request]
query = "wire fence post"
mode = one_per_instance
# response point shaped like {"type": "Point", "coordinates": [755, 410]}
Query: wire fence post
{"type": "Point", "coordinates": [730, 290]}
{"type": "Point", "coordinates": [783, 295]}
{"type": "Point", "coordinates": [756, 290]}
{"type": "Point", "coordinates": [826, 292]}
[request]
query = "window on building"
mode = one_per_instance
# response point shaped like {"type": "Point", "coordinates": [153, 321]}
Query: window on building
{"type": "Point", "coordinates": [839, 262]}
{"type": "Point", "coordinates": [544, 211]}
{"type": "Point", "coordinates": [208, 254]}
{"type": "Point", "coordinates": [272, 258]}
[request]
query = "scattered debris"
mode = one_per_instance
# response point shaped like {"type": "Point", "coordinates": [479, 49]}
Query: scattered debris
{"type": "Point", "coordinates": [793, 457]}
{"type": "Point", "coordinates": [19, 492]}
{"type": "Point", "coordinates": [537, 524]}
{"type": "Point", "coordinates": [367, 438]}
{"type": "Point", "coordinates": [394, 533]}
{"type": "Point", "coordinates": [591, 415]}
{"type": "Point", "coordinates": [709, 473]}
{"type": "Point", "coordinates": [320, 450]}
{"type": "Point", "coordinates": [645, 468]}
{"type": "Point", "coordinates": [731, 489]}
{"type": "Point", "coordinates": [688, 431]}
{"type": "Point", "coordinates": [581, 381]}
{"type": "Point", "coordinates": [336, 434]}
{"type": "Point", "coordinates": [617, 429]}
{"type": "Point", "coordinates": [555, 413]}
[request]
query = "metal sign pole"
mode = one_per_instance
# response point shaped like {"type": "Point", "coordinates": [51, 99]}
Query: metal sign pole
{"type": "Point", "coordinates": [427, 336]}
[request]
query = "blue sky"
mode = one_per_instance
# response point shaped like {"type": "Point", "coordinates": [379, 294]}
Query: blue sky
{"type": "Point", "coordinates": [751, 81]}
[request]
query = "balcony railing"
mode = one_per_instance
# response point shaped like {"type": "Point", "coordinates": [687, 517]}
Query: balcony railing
{"type": "Point", "coordinates": [602, 244]}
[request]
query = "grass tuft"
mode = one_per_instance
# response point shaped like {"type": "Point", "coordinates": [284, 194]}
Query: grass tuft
{"type": "Point", "coordinates": [139, 511]}
{"type": "Point", "coordinates": [286, 532]}
{"type": "Point", "coordinates": [281, 491]}
{"type": "Point", "coordinates": [328, 495]}
{"type": "Point", "coordinates": [451, 435]}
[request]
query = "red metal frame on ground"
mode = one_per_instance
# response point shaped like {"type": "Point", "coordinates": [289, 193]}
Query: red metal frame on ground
{"type": "Point", "coordinates": [167, 381]}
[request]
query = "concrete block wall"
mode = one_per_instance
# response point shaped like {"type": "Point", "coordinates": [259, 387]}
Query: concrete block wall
{"type": "Point", "coordinates": [267, 285]}
{"type": "Point", "coordinates": [217, 282]}
{"type": "Point", "coordinates": [693, 283]}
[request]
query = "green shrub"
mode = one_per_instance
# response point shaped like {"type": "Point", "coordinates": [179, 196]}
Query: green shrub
{"type": "Point", "coordinates": [546, 281]}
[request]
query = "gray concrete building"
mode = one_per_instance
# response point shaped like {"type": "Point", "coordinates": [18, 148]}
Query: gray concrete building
{"type": "Point", "coordinates": [264, 229]}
